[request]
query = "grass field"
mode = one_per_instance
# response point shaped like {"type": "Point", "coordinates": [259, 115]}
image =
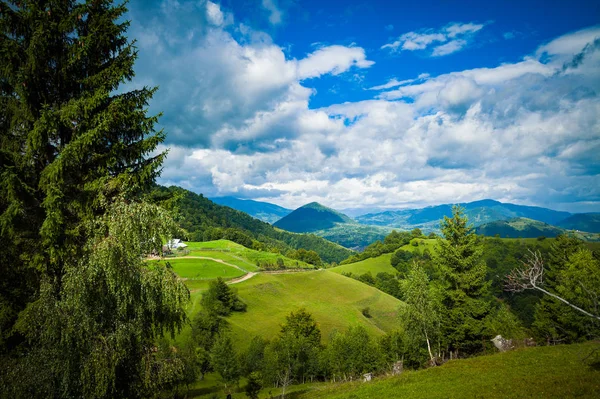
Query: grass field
{"type": "Point", "coordinates": [380, 264]}
{"type": "Point", "coordinates": [203, 269]}
{"type": "Point", "coordinates": [542, 372]}
{"type": "Point", "coordinates": [239, 255]}
{"type": "Point", "coordinates": [334, 301]}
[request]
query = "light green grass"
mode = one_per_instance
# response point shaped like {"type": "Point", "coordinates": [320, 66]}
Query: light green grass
{"type": "Point", "coordinates": [543, 372]}
{"type": "Point", "coordinates": [334, 301]}
{"type": "Point", "coordinates": [380, 264]}
{"type": "Point", "coordinates": [203, 269]}
{"type": "Point", "coordinates": [240, 256]}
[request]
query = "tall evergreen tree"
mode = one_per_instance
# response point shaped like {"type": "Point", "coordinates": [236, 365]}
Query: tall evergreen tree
{"type": "Point", "coordinates": [79, 310]}
{"type": "Point", "coordinates": [463, 271]}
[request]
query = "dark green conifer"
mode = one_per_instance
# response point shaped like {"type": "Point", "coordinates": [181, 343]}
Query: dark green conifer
{"type": "Point", "coordinates": [465, 290]}
{"type": "Point", "coordinates": [79, 310]}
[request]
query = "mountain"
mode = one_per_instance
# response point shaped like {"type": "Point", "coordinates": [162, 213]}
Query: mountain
{"type": "Point", "coordinates": [478, 212]}
{"type": "Point", "coordinates": [312, 217]}
{"type": "Point", "coordinates": [519, 228]}
{"type": "Point", "coordinates": [204, 220]}
{"type": "Point", "coordinates": [588, 222]}
{"type": "Point", "coordinates": [332, 225]}
{"type": "Point", "coordinates": [264, 211]}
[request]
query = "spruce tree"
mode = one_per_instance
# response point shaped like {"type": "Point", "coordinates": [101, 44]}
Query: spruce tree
{"type": "Point", "coordinates": [79, 309]}
{"type": "Point", "coordinates": [465, 290]}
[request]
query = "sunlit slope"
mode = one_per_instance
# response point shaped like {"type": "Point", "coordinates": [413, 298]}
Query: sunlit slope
{"type": "Point", "coordinates": [335, 302]}
{"type": "Point", "coordinates": [542, 372]}
{"type": "Point", "coordinates": [380, 264]}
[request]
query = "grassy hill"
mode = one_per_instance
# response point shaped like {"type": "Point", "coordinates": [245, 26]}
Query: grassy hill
{"type": "Point", "coordinates": [264, 211]}
{"type": "Point", "coordinates": [245, 258]}
{"type": "Point", "coordinates": [310, 218]}
{"type": "Point", "coordinates": [334, 301]}
{"type": "Point", "coordinates": [380, 264]}
{"type": "Point", "coordinates": [519, 227]}
{"type": "Point", "coordinates": [542, 372]}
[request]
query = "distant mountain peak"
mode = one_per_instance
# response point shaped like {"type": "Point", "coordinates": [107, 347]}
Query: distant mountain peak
{"type": "Point", "coordinates": [312, 217]}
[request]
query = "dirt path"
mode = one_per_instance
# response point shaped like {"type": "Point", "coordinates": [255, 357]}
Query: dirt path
{"type": "Point", "coordinates": [245, 277]}
{"type": "Point", "coordinates": [206, 258]}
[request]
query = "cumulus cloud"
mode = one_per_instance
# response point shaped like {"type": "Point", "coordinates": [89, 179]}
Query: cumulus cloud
{"type": "Point", "coordinates": [447, 40]}
{"type": "Point", "coordinates": [239, 122]}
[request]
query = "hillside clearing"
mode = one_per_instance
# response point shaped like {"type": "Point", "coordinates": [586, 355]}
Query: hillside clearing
{"type": "Point", "coordinates": [334, 301]}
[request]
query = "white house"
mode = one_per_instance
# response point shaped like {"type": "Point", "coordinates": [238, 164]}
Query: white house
{"type": "Point", "coordinates": [176, 243]}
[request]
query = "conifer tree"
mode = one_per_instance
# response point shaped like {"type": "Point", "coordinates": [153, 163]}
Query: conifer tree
{"type": "Point", "coordinates": [79, 309]}
{"type": "Point", "coordinates": [465, 290]}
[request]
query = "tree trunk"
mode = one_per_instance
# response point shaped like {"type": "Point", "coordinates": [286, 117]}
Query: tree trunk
{"type": "Point", "coordinates": [428, 346]}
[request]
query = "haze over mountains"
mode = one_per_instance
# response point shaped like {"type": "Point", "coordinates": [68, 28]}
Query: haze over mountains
{"type": "Point", "coordinates": [490, 217]}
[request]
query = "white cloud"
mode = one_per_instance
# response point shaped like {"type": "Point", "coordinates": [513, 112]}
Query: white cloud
{"type": "Point", "coordinates": [332, 59]}
{"type": "Point", "coordinates": [455, 37]}
{"type": "Point", "coordinates": [275, 14]}
{"type": "Point", "coordinates": [213, 11]}
{"type": "Point", "coordinates": [239, 122]}
{"type": "Point", "coordinates": [449, 48]}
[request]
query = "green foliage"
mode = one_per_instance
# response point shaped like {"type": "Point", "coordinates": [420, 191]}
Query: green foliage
{"type": "Point", "coordinates": [206, 327]}
{"type": "Point", "coordinates": [224, 360]}
{"type": "Point", "coordinates": [504, 322]}
{"type": "Point", "coordinates": [301, 324]}
{"type": "Point", "coordinates": [303, 255]}
{"type": "Point", "coordinates": [392, 242]}
{"type": "Point", "coordinates": [422, 315]}
{"type": "Point", "coordinates": [351, 354]}
{"type": "Point", "coordinates": [542, 372]}
{"type": "Point", "coordinates": [80, 311]}
{"type": "Point", "coordinates": [253, 386]}
{"type": "Point", "coordinates": [416, 233]}
{"type": "Point", "coordinates": [573, 273]}
{"type": "Point", "coordinates": [220, 299]}
{"type": "Point", "coordinates": [253, 359]}
{"type": "Point", "coordinates": [463, 277]}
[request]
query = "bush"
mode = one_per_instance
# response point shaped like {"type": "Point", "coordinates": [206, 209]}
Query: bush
{"type": "Point", "coordinates": [366, 312]}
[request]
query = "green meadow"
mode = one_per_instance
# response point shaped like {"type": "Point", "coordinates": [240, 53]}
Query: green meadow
{"type": "Point", "coordinates": [380, 264]}
{"type": "Point", "coordinates": [335, 301]}
{"type": "Point", "coordinates": [540, 372]}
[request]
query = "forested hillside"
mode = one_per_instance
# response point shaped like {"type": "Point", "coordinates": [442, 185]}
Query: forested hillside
{"type": "Point", "coordinates": [264, 211]}
{"type": "Point", "coordinates": [203, 220]}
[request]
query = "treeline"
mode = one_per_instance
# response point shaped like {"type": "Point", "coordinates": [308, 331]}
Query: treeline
{"type": "Point", "coordinates": [390, 243]}
{"type": "Point", "coordinates": [203, 220]}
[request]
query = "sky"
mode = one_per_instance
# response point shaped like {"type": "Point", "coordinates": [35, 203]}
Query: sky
{"type": "Point", "coordinates": [376, 104]}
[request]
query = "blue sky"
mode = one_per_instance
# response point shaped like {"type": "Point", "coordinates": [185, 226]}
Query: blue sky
{"type": "Point", "coordinates": [374, 104]}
